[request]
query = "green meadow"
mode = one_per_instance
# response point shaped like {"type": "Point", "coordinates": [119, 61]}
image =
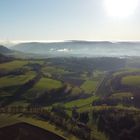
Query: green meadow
{"type": "Point", "coordinates": [46, 84]}
{"type": "Point", "coordinates": [13, 65]}
{"type": "Point", "coordinates": [89, 86]}
{"type": "Point", "coordinates": [11, 80]}
{"type": "Point", "coordinates": [131, 80]}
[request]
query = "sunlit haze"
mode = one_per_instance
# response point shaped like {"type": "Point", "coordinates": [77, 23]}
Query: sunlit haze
{"type": "Point", "coordinates": [57, 20]}
{"type": "Point", "coordinates": [121, 8]}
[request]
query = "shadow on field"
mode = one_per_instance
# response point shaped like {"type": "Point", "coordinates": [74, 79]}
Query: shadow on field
{"type": "Point", "coordinates": [24, 131]}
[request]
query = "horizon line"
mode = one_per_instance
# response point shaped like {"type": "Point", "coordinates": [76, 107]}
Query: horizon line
{"type": "Point", "coordinates": [71, 40]}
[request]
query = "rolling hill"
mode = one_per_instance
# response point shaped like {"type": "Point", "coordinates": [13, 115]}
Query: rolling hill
{"type": "Point", "coordinates": [4, 50]}
{"type": "Point", "coordinates": [81, 48]}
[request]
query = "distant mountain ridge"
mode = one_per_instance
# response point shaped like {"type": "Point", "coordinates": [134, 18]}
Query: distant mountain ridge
{"type": "Point", "coordinates": [4, 50]}
{"type": "Point", "coordinates": [81, 48]}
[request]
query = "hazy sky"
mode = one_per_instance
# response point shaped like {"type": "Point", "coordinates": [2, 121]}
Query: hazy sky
{"type": "Point", "coordinates": [68, 20]}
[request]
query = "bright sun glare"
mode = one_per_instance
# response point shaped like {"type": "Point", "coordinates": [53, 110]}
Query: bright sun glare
{"type": "Point", "coordinates": [120, 8]}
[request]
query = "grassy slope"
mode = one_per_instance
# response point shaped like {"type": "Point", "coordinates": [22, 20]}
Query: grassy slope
{"type": "Point", "coordinates": [130, 70]}
{"type": "Point", "coordinates": [80, 102]}
{"type": "Point", "coordinates": [76, 90]}
{"type": "Point", "coordinates": [121, 95]}
{"type": "Point", "coordinates": [89, 86]}
{"type": "Point", "coordinates": [16, 80]}
{"type": "Point", "coordinates": [131, 80]}
{"type": "Point", "coordinates": [47, 84]}
{"type": "Point", "coordinates": [13, 65]}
